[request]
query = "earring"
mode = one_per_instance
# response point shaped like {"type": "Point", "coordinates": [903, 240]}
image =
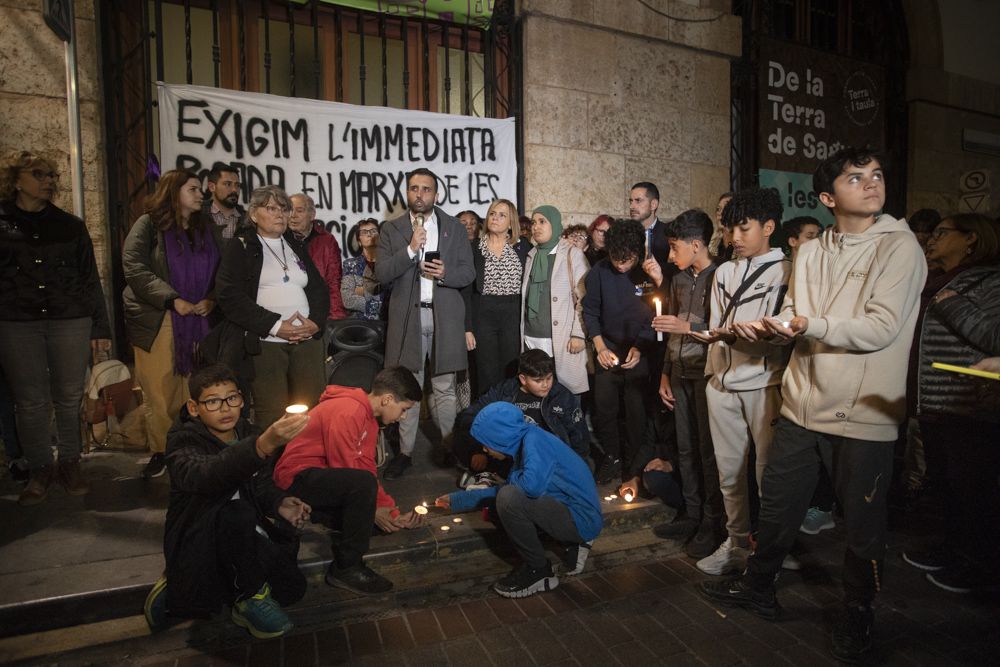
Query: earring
{"type": "Point", "coordinates": [968, 251]}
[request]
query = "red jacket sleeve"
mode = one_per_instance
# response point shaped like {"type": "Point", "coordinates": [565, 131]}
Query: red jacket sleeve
{"type": "Point", "coordinates": [350, 443]}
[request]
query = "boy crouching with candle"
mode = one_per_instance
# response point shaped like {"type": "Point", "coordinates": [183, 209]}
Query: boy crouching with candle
{"type": "Point", "coordinates": [550, 489]}
{"type": "Point", "coordinates": [331, 466]}
{"type": "Point", "coordinates": [230, 535]}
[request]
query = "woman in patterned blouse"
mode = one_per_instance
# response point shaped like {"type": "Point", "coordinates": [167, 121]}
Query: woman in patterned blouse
{"type": "Point", "coordinates": [493, 309]}
{"type": "Point", "coordinates": [360, 290]}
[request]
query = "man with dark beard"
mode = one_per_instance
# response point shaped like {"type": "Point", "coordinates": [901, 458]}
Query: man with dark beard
{"type": "Point", "coordinates": [222, 202]}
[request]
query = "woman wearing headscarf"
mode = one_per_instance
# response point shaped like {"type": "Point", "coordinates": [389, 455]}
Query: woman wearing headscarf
{"type": "Point", "coordinates": [52, 316]}
{"type": "Point", "coordinates": [169, 259]}
{"type": "Point", "coordinates": [551, 311]}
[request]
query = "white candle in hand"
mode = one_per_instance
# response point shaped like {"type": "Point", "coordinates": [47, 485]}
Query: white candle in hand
{"type": "Point", "coordinates": [297, 409]}
{"type": "Point", "coordinates": [420, 509]}
{"type": "Point", "coordinates": [659, 311]}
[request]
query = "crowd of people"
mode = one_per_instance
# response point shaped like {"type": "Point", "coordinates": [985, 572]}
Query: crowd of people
{"type": "Point", "coordinates": [689, 360]}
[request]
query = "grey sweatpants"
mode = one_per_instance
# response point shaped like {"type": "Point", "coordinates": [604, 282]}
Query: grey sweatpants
{"type": "Point", "coordinates": [522, 517]}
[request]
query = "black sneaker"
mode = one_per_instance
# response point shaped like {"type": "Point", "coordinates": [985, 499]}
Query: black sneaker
{"type": "Point", "coordinates": [610, 469]}
{"type": "Point", "coordinates": [931, 559]}
{"type": "Point", "coordinates": [576, 556]}
{"type": "Point", "coordinates": [705, 541]}
{"type": "Point", "coordinates": [735, 592]}
{"type": "Point", "coordinates": [682, 527]}
{"type": "Point", "coordinates": [852, 637]}
{"type": "Point", "coordinates": [525, 580]}
{"type": "Point", "coordinates": [157, 466]}
{"type": "Point", "coordinates": [397, 466]}
{"type": "Point", "coordinates": [18, 470]}
{"type": "Point", "coordinates": [358, 579]}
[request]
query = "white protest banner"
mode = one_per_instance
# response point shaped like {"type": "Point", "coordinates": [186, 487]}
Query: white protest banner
{"type": "Point", "coordinates": [352, 160]}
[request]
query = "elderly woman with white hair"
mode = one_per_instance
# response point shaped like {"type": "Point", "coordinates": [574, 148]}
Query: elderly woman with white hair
{"type": "Point", "coordinates": [268, 286]}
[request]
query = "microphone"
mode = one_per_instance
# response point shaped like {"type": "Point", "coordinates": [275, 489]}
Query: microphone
{"type": "Point", "coordinates": [418, 223]}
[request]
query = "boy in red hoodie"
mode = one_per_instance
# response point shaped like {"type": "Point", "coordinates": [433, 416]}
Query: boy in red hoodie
{"type": "Point", "coordinates": [331, 466]}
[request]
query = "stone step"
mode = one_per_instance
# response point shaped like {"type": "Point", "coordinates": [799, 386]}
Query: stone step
{"type": "Point", "coordinates": [402, 556]}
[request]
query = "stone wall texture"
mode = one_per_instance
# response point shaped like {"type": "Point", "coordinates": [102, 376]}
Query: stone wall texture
{"type": "Point", "coordinates": [615, 94]}
{"type": "Point", "coordinates": [34, 109]}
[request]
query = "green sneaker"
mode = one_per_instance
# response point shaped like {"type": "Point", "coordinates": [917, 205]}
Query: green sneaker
{"type": "Point", "coordinates": [155, 608]}
{"type": "Point", "coordinates": [261, 616]}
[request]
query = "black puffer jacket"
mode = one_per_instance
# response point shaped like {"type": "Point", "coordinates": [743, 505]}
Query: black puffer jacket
{"type": "Point", "coordinates": [961, 330]}
{"type": "Point", "coordinates": [47, 268]}
{"type": "Point", "coordinates": [204, 474]}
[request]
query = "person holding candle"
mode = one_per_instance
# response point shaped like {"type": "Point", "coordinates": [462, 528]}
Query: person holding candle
{"type": "Point", "coordinates": [544, 402]}
{"type": "Point", "coordinates": [852, 306]}
{"type": "Point", "coordinates": [231, 536]}
{"type": "Point", "coordinates": [549, 490]}
{"type": "Point", "coordinates": [743, 392]}
{"type": "Point", "coordinates": [683, 382]}
{"type": "Point", "coordinates": [617, 314]}
{"type": "Point", "coordinates": [331, 466]}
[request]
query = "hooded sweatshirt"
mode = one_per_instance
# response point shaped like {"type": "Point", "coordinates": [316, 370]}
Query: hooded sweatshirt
{"type": "Point", "coordinates": [847, 373]}
{"type": "Point", "coordinates": [543, 466]}
{"type": "Point", "coordinates": [742, 365]}
{"type": "Point", "coordinates": [342, 433]}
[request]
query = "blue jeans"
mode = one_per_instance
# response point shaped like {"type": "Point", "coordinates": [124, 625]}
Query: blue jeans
{"type": "Point", "coordinates": [45, 362]}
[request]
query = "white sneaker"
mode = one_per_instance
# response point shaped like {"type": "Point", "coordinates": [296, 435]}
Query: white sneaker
{"type": "Point", "coordinates": [725, 560]}
{"type": "Point", "coordinates": [791, 563]}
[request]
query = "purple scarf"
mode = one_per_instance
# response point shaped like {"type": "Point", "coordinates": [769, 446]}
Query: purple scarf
{"type": "Point", "coordinates": [192, 274]}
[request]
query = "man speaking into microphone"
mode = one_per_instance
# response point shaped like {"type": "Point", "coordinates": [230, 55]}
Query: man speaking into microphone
{"type": "Point", "coordinates": [425, 257]}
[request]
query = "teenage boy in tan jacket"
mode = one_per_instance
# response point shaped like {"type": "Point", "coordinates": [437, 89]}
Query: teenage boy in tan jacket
{"type": "Point", "coordinates": [850, 312]}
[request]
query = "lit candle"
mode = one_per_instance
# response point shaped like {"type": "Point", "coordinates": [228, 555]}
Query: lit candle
{"type": "Point", "coordinates": [457, 519]}
{"type": "Point", "coordinates": [613, 496]}
{"type": "Point", "coordinates": [445, 528]}
{"type": "Point", "coordinates": [659, 311]}
{"type": "Point", "coordinates": [420, 509]}
{"type": "Point", "coordinates": [628, 497]}
{"type": "Point", "coordinates": [787, 325]}
{"type": "Point", "coordinates": [296, 409]}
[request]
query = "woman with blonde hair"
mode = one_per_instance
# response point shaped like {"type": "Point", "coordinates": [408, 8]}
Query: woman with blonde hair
{"type": "Point", "coordinates": [169, 259]}
{"type": "Point", "coordinates": [552, 312]}
{"type": "Point", "coordinates": [493, 303]}
{"type": "Point", "coordinates": [52, 317]}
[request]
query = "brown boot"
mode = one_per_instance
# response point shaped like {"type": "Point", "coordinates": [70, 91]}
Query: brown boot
{"type": "Point", "coordinates": [71, 477]}
{"type": "Point", "coordinates": [38, 486]}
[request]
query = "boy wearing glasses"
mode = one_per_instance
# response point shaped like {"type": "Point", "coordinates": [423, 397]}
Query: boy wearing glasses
{"type": "Point", "coordinates": [231, 534]}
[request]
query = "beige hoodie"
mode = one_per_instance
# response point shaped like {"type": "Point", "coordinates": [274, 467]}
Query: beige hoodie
{"type": "Point", "coordinates": [847, 373]}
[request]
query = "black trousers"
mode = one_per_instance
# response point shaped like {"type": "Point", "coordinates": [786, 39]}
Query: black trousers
{"type": "Point", "coordinates": [972, 465]}
{"type": "Point", "coordinates": [249, 560]}
{"type": "Point", "coordinates": [343, 500]}
{"type": "Point", "coordinates": [628, 386]}
{"type": "Point", "coordinates": [861, 471]}
{"type": "Point", "coordinates": [498, 339]}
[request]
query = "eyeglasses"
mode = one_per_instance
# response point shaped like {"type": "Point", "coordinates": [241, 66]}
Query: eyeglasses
{"type": "Point", "coordinates": [215, 404]}
{"type": "Point", "coordinates": [368, 232]}
{"type": "Point", "coordinates": [578, 237]}
{"type": "Point", "coordinates": [941, 231]}
{"type": "Point", "coordinates": [40, 175]}
{"type": "Point", "coordinates": [277, 210]}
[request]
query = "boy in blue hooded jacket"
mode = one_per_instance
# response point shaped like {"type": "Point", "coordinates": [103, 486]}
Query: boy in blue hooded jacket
{"type": "Point", "coordinates": [550, 488]}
